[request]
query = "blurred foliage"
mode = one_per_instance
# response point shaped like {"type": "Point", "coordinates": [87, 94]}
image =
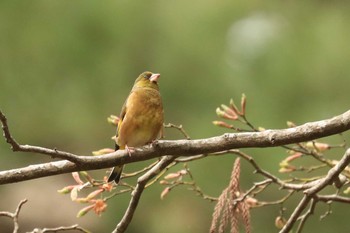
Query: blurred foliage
{"type": "Point", "coordinates": [67, 65]}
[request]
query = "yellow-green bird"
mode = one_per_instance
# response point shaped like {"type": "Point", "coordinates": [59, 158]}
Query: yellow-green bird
{"type": "Point", "coordinates": [141, 118]}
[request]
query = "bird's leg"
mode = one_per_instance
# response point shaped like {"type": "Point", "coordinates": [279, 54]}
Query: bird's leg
{"type": "Point", "coordinates": [161, 134]}
{"type": "Point", "coordinates": [153, 143]}
{"type": "Point", "coordinates": [129, 149]}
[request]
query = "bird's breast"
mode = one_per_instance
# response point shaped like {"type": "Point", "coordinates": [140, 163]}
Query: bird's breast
{"type": "Point", "coordinates": [143, 119]}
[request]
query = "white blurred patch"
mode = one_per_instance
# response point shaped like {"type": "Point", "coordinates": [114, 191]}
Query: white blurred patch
{"type": "Point", "coordinates": [249, 37]}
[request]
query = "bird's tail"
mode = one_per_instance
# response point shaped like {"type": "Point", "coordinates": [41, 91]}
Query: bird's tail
{"type": "Point", "coordinates": [116, 171]}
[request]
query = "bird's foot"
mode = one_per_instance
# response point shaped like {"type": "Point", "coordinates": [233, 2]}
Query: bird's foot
{"type": "Point", "coordinates": [129, 149]}
{"type": "Point", "coordinates": [154, 143]}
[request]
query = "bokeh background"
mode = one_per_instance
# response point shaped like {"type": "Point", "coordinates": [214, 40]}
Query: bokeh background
{"type": "Point", "coordinates": [66, 65]}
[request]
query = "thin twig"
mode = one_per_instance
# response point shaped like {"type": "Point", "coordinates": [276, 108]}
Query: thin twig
{"type": "Point", "coordinates": [59, 229]}
{"type": "Point", "coordinates": [136, 194]}
{"type": "Point", "coordinates": [15, 146]}
{"type": "Point", "coordinates": [193, 185]}
{"type": "Point", "coordinates": [196, 188]}
{"type": "Point", "coordinates": [334, 197]}
{"type": "Point", "coordinates": [159, 175]}
{"type": "Point", "coordinates": [310, 193]}
{"type": "Point", "coordinates": [131, 174]}
{"type": "Point", "coordinates": [127, 190]}
{"type": "Point", "coordinates": [179, 127]}
{"type": "Point", "coordinates": [252, 189]}
{"type": "Point", "coordinates": [296, 213]}
{"type": "Point", "coordinates": [280, 201]}
{"type": "Point", "coordinates": [332, 174]}
{"type": "Point", "coordinates": [7, 134]}
{"type": "Point", "coordinates": [200, 156]}
{"type": "Point", "coordinates": [14, 215]}
{"type": "Point", "coordinates": [268, 175]}
{"type": "Point", "coordinates": [245, 121]}
{"type": "Point", "coordinates": [328, 212]}
{"type": "Point", "coordinates": [304, 217]}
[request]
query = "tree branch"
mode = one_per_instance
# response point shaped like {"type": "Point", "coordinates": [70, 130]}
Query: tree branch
{"type": "Point", "coordinates": [35, 149]}
{"type": "Point", "coordinates": [306, 215]}
{"type": "Point", "coordinates": [192, 149]}
{"type": "Point", "coordinates": [14, 215]}
{"type": "Point", "coordinates": [136, 194]}
{"type": "Point", "coordinates": [336, 198]}
{"type": "Point", "coordinates": [75, 227]}
{"type": "Point", "coordinates": [176, 148]}
{"type": "Point", "coordinates": [311, 192]}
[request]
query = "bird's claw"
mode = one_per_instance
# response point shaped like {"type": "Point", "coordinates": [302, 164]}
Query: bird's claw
{"type": "Point", "coordinates": [154, 143]}
{"type": "Point", "coordinates": [129, 149]}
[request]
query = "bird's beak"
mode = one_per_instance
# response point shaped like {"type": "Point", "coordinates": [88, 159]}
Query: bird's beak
{"type": "Point", "coordinates": [154, 78]}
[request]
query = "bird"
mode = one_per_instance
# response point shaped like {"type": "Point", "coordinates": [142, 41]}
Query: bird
{"type": "Point", "coordinates": [141, 118]}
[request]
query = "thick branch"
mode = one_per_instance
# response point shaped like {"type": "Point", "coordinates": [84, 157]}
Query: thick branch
{"type": "Point", "coordinates": [268, 138]}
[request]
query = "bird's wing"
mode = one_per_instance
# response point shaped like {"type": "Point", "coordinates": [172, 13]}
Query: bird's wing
{"type": "Point", "coordinates": [121, 118]}
{"type": "Point", "coordinates": [123, 111]}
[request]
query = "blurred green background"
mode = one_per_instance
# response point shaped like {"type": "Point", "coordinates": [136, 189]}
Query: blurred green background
{"type": "Point", "coordinates": [66, 65]}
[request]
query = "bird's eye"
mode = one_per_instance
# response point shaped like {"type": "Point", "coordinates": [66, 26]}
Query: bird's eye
{"type": "Point", "coordinates": [147, 75]}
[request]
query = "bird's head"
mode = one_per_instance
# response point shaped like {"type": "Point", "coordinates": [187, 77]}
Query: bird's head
{"type": "Point", "coordinates": [147, 79]}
